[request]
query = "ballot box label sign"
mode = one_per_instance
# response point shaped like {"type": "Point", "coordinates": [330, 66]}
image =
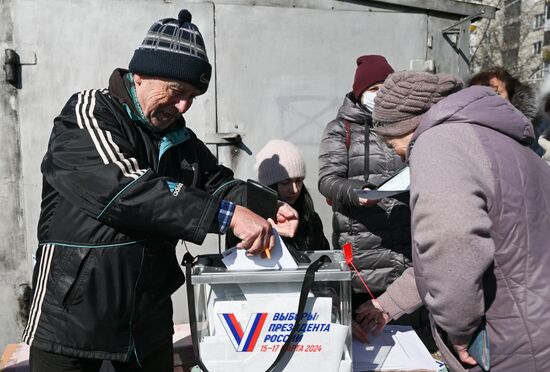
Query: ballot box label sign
{"type": "Point", "coordinates": [278, 331]}
{"type": "Point", "coordinates": [243, 341]}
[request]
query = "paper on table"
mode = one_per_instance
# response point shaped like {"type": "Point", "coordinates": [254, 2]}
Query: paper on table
{"type": "Point", "coordinates": [370, 357]}
{"type": "Point", "coordinates": [397, 184]}
{"type": "Point", "coordinates": [406, 352]}
{"type": "Point", "coordinates": [236, 259]}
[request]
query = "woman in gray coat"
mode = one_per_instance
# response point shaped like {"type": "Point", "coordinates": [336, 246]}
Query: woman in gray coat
{"type": "Point", "coordinates": [480, 223]}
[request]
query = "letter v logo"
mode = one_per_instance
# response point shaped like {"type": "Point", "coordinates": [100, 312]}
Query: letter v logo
{"type": "Point", "coordinates": [243, 341]}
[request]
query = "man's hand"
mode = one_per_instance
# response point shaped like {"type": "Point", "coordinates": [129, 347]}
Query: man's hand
{"type": "Point", "coordinates": [371, 316]}
{"type": "Point", "coordinates": [253, 230]}
{"type": "Point", "coordinates": [462, 351]}
{"type": "Point", "coordinates": [287, 220]}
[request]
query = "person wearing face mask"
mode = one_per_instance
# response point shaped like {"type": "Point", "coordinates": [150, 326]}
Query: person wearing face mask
{"type": "Point", "coordinates": [281, 167]}
{"type": "Point", "coordinates": [352, 156]}
{"type": "Point", "coordinates": [367, 98]}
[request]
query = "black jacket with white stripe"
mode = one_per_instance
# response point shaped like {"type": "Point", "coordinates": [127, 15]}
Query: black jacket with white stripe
{"type": "Point", "coordinates": [116, 199]}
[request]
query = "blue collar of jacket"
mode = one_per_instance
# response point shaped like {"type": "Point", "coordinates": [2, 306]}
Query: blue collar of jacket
{"type": "Point", "coordinates": [138, 114]}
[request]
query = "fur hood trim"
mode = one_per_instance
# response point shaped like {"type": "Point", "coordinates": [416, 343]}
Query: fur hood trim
{"type": "Point", "coordinates": [525, 100]}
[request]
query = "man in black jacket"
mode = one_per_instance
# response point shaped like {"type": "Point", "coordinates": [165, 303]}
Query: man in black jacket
{"type": "Point", "coordinates": [124, 180]}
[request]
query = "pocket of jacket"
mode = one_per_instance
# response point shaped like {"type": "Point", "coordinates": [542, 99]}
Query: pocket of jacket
{"type": "Point", "coordinates": [80, 275]}
{"type": "Point", "coordinates": [452, 362]}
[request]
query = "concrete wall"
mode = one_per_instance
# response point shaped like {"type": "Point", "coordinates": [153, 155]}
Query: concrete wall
{"type": "Point", "coordinates": [14, 265]}
{"type": "Point", "coordinates": [289, 80]}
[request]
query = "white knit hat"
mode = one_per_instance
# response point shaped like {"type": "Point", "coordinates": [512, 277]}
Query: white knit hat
{"type": "Point", "coordinates": [279, 160]}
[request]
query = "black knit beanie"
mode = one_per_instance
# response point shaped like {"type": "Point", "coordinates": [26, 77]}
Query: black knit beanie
{"type": "Point", "coordinates": [174, 49]}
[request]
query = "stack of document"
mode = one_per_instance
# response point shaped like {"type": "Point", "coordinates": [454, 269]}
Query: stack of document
{"type": "Point", "coordinates": [397, 348]}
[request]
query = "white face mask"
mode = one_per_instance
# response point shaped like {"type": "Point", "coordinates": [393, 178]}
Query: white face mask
{"type": "Point", "coordinates": [367, 99]}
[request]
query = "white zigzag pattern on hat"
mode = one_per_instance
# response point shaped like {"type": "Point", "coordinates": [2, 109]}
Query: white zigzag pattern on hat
{"type": "Point", "coordinates": [177, 41]}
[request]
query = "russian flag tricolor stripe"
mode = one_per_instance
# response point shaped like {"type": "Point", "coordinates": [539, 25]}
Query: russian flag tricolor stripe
{"type": "Point", "coordinates": [243, 341]}
{"type": "Point", "coordinates": [253, 332]}
{"type": "Point", "coordinates": [234, 326]}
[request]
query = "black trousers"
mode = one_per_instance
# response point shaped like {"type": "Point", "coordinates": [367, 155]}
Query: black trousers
{"type": "Point", "coordinates": [160, 360]}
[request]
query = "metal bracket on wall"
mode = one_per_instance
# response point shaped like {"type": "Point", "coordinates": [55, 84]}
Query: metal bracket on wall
{"type": "Point", "coordinates": [12, 65]}
{"type": "Point", "coordinates": [230, 138]}
{"type": "Point", "coordinates": [452, 33]}
{"type": "Point", "coordinates": [226, 139]}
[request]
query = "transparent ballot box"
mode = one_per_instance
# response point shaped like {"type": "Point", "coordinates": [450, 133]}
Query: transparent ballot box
{"type": "Point", "coordinates": [244, 319]}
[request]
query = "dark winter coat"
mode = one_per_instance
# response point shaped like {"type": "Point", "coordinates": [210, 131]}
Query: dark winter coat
{"type": "Point", "coordinates": [116, 198]}
{"type": "Point", "coordinates": [380, 234]}
{"type": "Point", "coordinates": [544, 138]}
{"type": "Point", "coordinates": [526, 101]}
{"type": "Point", "coordinates": [544, 143]}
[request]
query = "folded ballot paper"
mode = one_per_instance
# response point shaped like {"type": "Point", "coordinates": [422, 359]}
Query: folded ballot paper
{"type": "Point", "coordinates": [248, 335]}
{"type": "Point", "coordinates": [397, 348]}
{"type": "Point", "coordinates": [397, 184]}
{"type": "Point", "coordinates": [235, 259]}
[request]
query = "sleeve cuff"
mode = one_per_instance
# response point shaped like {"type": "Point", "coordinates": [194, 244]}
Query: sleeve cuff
{"type": "Point", "coordinates": [224, 215]}
{"type": "Point", "coordinates": [390, 306]}
{"type": "Point", "coordinates": [401, 297]}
